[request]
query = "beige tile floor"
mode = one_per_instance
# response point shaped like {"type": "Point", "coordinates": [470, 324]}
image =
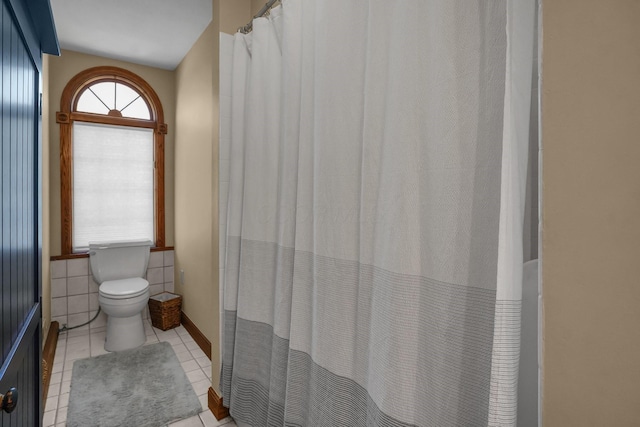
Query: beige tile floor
{"type": "Point", "coordinates": [85, 342]}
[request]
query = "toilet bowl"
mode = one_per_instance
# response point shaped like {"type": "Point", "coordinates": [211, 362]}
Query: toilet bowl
{"type": "Point", "coordinates": [119, 267]}
{"type": "Point", "coordinates": [123, 302]}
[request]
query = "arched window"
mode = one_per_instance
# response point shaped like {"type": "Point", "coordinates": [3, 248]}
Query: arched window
{"type": "Point", "coordinates": [111, 159]}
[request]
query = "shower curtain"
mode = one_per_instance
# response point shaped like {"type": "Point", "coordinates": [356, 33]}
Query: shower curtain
{"type": "Point", "coordinates": [374, 228]}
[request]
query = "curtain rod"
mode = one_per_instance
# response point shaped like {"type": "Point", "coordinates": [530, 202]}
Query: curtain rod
{"type": "Point", "coordinates": [247, 28]}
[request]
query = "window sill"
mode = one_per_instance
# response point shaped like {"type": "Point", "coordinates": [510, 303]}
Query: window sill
{"type": "Point", "coordinates": [86, 254]}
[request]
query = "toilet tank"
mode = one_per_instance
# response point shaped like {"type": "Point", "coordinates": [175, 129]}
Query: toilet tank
{"type": "Point", "coordinates": [118, 260]}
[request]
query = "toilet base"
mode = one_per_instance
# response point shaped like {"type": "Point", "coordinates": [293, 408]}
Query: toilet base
{"type": "Point", "coordinates": [124, 333]}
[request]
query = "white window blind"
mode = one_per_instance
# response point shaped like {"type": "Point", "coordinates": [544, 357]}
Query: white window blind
{"type": "Point", "coordinates": [113, 194]}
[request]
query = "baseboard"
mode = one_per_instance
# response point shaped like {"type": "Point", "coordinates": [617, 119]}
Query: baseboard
{"type": "Point", "coordinates": [215, 405]}
{"type": "Point", "coordinates": [48, 353]}
{"type": "Point", "coordinates": [198, 337]}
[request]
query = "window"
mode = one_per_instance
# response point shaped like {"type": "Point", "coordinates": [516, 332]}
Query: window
{"type": "Point", "coordinates": [111, 159]}
{"type": "Point", "coordinates": [113, 98]}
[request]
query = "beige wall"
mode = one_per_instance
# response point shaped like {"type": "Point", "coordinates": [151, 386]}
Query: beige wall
{"type": "Point", "coordinates": [194, 182]}
{"type": "Point", "coordinates": [591, 213]}
{"type": "Point", "coordinates": [234, 14]}
{"type": "Point", "coordinates": [61, 70]}
{"type": "Point", "coordinates": [196, 175]}
{"type": "Point", "coordinates": [256, 5]}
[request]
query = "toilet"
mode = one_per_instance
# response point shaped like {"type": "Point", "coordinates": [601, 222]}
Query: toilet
{"type": "Point", "coordinates": [119, 268]}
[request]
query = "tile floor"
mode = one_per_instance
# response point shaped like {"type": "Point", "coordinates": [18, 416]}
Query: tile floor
{"type": "Point", "coordinates": [80, 344]}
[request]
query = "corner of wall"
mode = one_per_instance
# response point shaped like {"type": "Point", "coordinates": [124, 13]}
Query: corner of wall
{"type": "Point", "coordinates": [196, 174]}
{"type": "Point", "coordinates": [194, 193]}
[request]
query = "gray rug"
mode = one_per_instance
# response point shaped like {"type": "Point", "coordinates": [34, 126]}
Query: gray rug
{"type": "Point", "coordinates": [138, 388]}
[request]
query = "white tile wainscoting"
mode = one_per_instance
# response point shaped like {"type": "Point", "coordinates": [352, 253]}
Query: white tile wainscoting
{"type": "Point", "coordinates": [74, 293]}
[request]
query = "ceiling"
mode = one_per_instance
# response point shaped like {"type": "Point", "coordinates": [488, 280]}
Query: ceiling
{"type": "Point", "coordinates": [157, 33]}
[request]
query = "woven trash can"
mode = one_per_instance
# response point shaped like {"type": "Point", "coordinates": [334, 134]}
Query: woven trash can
{"type": "Point", "coordinates": [165, 310]}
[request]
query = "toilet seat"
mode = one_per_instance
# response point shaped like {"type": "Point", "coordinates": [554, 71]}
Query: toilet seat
{"type": "Point", "coordinates": [124, 288]}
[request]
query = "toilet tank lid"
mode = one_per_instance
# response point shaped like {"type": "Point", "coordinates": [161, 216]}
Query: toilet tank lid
{"type": "Point", "coordinates": [119, 244]}
{"type": "Point", "coordinates": [133, 285]}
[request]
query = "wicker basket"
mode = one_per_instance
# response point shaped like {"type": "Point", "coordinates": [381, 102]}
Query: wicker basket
{"type": "Point", "coordinates": [165, 310]}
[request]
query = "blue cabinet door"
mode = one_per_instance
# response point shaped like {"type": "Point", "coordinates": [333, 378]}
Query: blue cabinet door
{"type": "Point", "coordinates": [20, 212]}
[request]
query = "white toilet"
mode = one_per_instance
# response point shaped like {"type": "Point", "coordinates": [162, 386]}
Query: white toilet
{"type": "Point", "coordinates": [119, 268]}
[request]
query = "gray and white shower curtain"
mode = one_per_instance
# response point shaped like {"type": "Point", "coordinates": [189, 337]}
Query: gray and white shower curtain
{"type": "Point", "coordinates": [374, 227]}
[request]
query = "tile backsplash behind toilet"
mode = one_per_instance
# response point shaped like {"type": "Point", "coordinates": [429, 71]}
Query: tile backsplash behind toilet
{"type": "Point", "coordinates": [74, 293]}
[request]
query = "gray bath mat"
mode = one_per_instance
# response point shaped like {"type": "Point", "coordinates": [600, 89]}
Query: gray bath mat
{"type": "Point", "coordinates": [138, 388]}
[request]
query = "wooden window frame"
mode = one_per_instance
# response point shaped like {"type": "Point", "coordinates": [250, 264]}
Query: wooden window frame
{"type": "Point", "coordinates": [68, 114]}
